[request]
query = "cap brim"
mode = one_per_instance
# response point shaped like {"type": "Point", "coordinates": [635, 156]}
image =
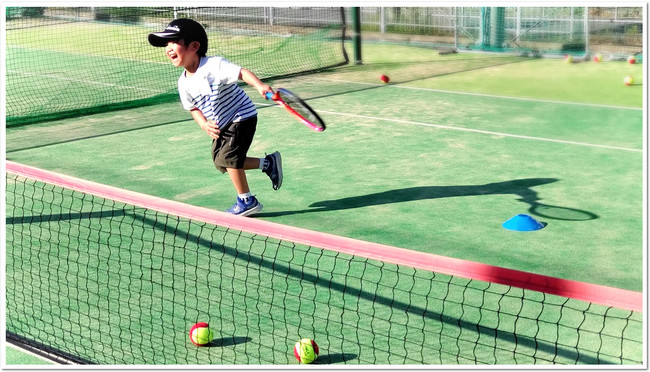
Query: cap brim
{"type": "Point", "coordinates": [160, 39]}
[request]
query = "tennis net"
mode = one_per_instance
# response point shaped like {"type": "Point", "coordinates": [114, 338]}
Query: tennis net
{"type": "Point", "coordinates": [65, 61]}
{"type": "Point", "coordinates": [97, 274]}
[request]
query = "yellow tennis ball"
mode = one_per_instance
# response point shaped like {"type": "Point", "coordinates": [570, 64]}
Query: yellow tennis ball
{"type": "Point", "coordinates": [598, 57]}
{"type": "Point", "coordinates": [201, 334]}
{"type": "Point", "coordinates": [306, 350]}
{"type": "Point", "coordinates": [568, 58]}
{"type": "Point", "coordinates": [629, 80]}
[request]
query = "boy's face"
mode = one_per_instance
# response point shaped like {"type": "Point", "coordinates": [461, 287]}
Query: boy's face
{"type": "Point", "coordinates": [180, 54]}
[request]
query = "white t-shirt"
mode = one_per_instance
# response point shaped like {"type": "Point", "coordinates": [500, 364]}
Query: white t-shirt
{"type": "Point", "coordinates": [213, 89]}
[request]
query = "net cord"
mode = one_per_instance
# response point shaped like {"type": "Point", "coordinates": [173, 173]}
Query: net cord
{"type": "Point", "coordinates": [594, 293]}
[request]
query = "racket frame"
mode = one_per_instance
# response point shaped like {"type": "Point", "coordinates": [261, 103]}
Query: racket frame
{"type": "Point", "coordinates": [277, 98]}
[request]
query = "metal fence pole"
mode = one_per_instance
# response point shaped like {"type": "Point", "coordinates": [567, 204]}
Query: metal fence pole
{"type": "Point", "coordinates": [518, 25]}
{"type": "Point", "coordinates": [356, 34]}
{"type": "Point", "coordinates": [586, 28]}
{"type": "Point", "coordinates": [456, 27]}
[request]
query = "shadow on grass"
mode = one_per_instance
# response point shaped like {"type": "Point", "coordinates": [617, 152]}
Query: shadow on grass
{"type": "Point", "coordinates": [523, 188]}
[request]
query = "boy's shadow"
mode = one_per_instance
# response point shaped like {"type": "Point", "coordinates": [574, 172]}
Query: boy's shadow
{"type": "Point", "coordinates": [521, 188]}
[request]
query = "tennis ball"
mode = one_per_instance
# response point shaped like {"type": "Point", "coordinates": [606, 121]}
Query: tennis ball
{"type": "Point", "coordinates": [631, 60]}
{"type": "Point", "coordinates": [306, 350]}
{"type": "Point", "coordinates": [629, 80]}
{"type": "Point", "coordinates": [568, 58]}
{"type": "Point", "coordinates": [384, 79]}
{"type": "Point", "coordinates": [598, 58]}
{"type": "Point", "coordinates": [201, 334]}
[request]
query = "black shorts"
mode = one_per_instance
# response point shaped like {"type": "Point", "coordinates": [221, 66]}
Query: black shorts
{"type": "Point", "coordinates": [229, 151]}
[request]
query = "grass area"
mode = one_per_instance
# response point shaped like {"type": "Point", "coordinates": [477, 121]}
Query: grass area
{"type": "Point", "coordinates": [560, 141]}
{"type": "Point", "coordinates": [18, 357]}
{"type": "Point", "coordinates": [434, 161]}
{"type": "Point", "coordinates": [522, 77]}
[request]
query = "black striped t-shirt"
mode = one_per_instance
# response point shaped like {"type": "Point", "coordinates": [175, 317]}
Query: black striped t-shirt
{"type": "Point", "coordinates": [213, 89]}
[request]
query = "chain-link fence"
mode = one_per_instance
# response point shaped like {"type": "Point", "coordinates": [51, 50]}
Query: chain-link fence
{"type": "Point", "coordinates": [612, 31]}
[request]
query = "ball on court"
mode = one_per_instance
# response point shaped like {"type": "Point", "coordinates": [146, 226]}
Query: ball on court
{"type": "Point", "coordinates": [631, 60]}
{"type": "Point", "coordinates": [384, 79]}
{"type": "Point", "coordinates": [568, 58]}
{"type": "Point", "coordinates": [598, 58]}
{"type": "Point", "coordinates": [201, 334]}
{"type": "Point", "coordinates": [629, 80]}
{"type": "Point", "coordinates": [305, 350]}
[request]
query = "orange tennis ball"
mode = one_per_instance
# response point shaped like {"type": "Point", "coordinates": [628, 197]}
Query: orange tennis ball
{"type": "Point", "coordinates": [598, 58]}
{"type": "Point", "coordinates": [201, 334]}
{"type": "Point", "coordinates": [384, 79]}
{"type": "Point", "coordinates": [631, 60]}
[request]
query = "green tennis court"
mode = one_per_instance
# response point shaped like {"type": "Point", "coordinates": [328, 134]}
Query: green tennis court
{"type": "Point", "coordinates": [434, 164]}
{"type": "Point", "coordinates": [434, 161]}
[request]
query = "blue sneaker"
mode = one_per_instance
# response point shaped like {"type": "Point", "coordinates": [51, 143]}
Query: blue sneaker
{"type": "Point", "coordinates": [245, 208]}
{"type": "Point", "coordinates": [274, 169]}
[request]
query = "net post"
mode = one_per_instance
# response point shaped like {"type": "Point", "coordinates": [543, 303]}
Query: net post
{"type": "Point", "coordinates": [356, 34]}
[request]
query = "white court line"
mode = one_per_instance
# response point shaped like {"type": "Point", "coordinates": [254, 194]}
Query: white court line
{"type": "Point", "coordinates": [485, 95]}
{"type": "Point", "coordinates": [482, 131]}
{"type": "Point", "coordinates": [440, 126]}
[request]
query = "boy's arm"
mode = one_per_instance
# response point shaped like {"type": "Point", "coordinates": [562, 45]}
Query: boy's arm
{"type": "Point", "coordinates": [209, 126]}
{"type": "Point", "coordinates": [251, 79]}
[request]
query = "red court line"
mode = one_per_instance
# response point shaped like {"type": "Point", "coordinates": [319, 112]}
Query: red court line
{"type": "Point", "coordinates": [603, 295]}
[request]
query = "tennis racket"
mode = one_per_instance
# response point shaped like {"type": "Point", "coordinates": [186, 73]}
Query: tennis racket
{"type": "Point", "coordinates": [297, 108]}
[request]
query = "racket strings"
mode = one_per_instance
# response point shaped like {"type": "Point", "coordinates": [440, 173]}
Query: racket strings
{"type": "Point", "coordinates": [301, 107]}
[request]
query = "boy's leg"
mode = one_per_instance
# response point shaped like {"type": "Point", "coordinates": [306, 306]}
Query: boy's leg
{"type": "Point", "coordinates": [252, 163]}
{"type": "Point", "coordinates": [246, 203]}
{"type": "Point", "coordinates": [271, 165]}
{"type": "Point", "coordinates": [229, 156]}
{"type": "Point", "coordinates": [238, 178]}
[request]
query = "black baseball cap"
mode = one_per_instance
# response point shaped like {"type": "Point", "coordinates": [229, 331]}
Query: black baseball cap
{"type": "Point", "coordinates": [183, 28]}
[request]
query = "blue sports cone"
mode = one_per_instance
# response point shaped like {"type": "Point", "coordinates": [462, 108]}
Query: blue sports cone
{"type": "Point", "coordinates": [523, 222]}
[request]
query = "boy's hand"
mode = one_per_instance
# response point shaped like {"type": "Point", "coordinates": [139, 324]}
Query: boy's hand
{"type": "Point", "coordinates": [252, 80]}
{"type": "Point", "coordinates": [211, 128]}
{"type": "Point", "coordinates": [264, 88]}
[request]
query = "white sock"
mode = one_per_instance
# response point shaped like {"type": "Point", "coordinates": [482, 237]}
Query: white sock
{"type": "Point", "coordinates": [264, 164]}
{"type": "Point", "coordinates": [244, 196]}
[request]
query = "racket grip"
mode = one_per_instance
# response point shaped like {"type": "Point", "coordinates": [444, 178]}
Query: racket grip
{"type": "Point", "coordinates": [269, 95]}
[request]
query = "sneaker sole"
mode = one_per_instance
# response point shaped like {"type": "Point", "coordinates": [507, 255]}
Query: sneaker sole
{"type": "Point", "coordinates": [278, 162]}
{"type": "Point", "coordinates": [252, 211]}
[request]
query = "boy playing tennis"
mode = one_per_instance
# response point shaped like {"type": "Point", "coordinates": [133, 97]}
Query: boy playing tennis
{"type": "Point", "coordinates": [208, 89]}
